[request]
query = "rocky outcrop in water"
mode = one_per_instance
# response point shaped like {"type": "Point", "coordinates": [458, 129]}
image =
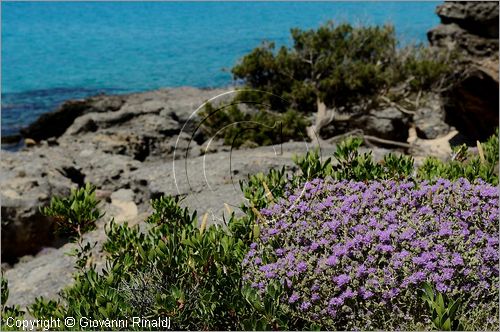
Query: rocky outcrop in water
{"type": "Point", "coordinates": [101, 140]}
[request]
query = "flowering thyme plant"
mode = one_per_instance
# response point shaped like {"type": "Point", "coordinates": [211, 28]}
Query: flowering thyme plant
{"type": "Point", "coordinates": [354, 255]}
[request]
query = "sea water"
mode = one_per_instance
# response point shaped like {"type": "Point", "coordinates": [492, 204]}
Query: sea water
{"type": "Point", "coordinates": [55, 51]}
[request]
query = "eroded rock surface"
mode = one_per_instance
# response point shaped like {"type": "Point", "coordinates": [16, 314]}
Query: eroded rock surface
{"type": "Point", "coordinates": [471, 105]}
{"type": "Point", "coordinates": [469, 26]}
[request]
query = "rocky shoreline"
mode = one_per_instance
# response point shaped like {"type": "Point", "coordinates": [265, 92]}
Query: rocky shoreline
{"type": "Point", "coordinates": [140, 146]}
{"type": "Point", "coordinates": [125, 145]}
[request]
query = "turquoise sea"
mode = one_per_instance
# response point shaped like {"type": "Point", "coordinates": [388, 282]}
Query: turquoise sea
{"type": "Point", "coordinates": [53, 51]}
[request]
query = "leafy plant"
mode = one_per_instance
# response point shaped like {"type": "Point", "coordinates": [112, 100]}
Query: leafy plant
{"type": "Point", "coordinates": [443, 310]}
{"type": "Point", "coordinates": [180, 268]}
{"type": "Point", "coordinates": [483, 164]}
{"type": "Point", "coordinates": [76, 214]}
{"type": "Point", "coordinates": [186, 269]}
{"type": "Point", "coordinates": [312, 166]}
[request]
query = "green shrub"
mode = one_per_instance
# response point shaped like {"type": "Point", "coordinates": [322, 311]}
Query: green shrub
{"type": "Point", "coordinates": [340, 65]}
{"type": "Point", "coordinates": [349, 164]}
{"type": "Point", "coordinates": [443, 311]}
{"type": "Point", "coordinates": [76, 214]}
{"type": "Point", "coordinates": [425, 68]}
{"type": "Point", "coordinates": [189, 273]}
{"type": "Point", "coordinates": [466, 164]}
{"type": "Point", "coordinates": [253, 128]}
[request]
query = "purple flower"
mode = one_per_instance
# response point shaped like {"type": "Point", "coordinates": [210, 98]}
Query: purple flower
{"type": "Point", "coordinates": [332, 260]}
{"type": "Point", "coordinates": [348, 294]}
{"type": "Point", "coordinates": [342, 279]}
{"type": "Point", "coordinates": [305, 305]}
{"type": "Point", "coordinates": [294, 298]}
{"type": "Point", "coordinates": [366, 294]}
{"type": "Point", "coordinates": [302, 267]}
{"type": "Point", "coordinates": [365, 248]}
{"type": "Point", "coordinates": [336, 301]}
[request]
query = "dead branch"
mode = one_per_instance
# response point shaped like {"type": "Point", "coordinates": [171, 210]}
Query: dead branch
{"type": "Point", "coordinates": [386, 141]}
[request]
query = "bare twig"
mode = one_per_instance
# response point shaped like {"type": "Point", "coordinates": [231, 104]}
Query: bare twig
{"type": "Point", "coordinates": [481, 152]}
{"type": "Point", "coordinates": [386, 141]}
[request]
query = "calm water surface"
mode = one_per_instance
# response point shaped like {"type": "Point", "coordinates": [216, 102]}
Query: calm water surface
{"type": "Point", "coordinates": [57, 51]}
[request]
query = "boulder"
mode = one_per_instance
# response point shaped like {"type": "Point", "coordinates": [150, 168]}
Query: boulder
{"type": "Point", "coordinates": [439, 147]}
{"type": "Point", "coordinates": [429, 118]}
{"type": "Point", "coordinates": [101, 140]}
{"type": "Point", "coordinates": [480, 18]}
{"type": "Point", "coordinates": [468, 26]}
{"type": "Point", "coordinates": [388, 123]}
{"type": "Point", "coordinates": [471, 103]}
{"type": "Point", "coordinates": [29, 179]}
{"type": "Point", "coordinates": [55, 123]}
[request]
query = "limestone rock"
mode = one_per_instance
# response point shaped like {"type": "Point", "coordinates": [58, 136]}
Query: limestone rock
{"type": "Point", "coordinates": [471, 104]}
{"type": "Point", "coordinates": [468, 26]}
{"type": "Point", "coordinates": [29, 179]}
{"type": "Point", "coordinates": [389, 123]}
{"type": "Point", "coordinates": [429, 119]}
{"type": "Point", "coordinates": [439, 147]}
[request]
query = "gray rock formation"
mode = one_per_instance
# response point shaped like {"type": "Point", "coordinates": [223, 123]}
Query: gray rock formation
{"type": "Point", "coordinates": [388, 123]}
{"type": "Point", "coordinates": [146, 126]}
{"type": "Point", "coordinates": [430, 118]}
{"type": "Point", "coordinates": [29, 179]}
{"type": "Point", "coordinates": [101, 140]}
{"type": "Point", "coordinates": [469, 26]}
{"type": "Point", "coordinates": [471, 105]}
{"type": "Point", "coordinates": [54, 124]}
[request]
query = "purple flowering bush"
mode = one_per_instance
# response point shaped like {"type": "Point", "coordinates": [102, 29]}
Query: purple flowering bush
{"type": "Point", "coordinates": [354, 255]}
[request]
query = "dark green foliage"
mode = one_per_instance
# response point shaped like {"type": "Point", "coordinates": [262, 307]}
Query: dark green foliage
{"type": "Point", "coordinates": [175, 269]}
{"type": "Point", "coordinates": [253, 128]}
{"type": "Point", "coordinates": [312, 165]}
{"type": "Point", "coordinates": [76, 214]}
{"type": "Point", "coordinates": [349, 164]}
{"type": "Point", "coordinates": [338, 64]}
{"type": "Point", "coordinates": [443, 311]}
